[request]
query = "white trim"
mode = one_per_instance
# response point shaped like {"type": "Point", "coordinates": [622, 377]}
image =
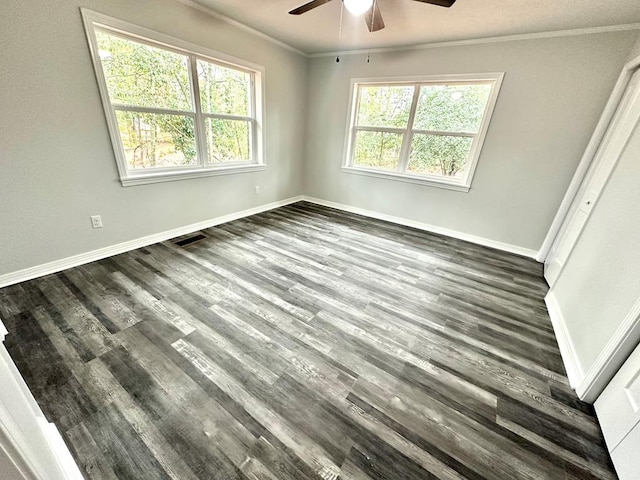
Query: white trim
{"type": "Point", "coordinates": [404, 177]}
{"type": "Point", "coordinates": [3, 331]}
{"type": "Point", "coordinates": [590, 385]}
{"type": "Point", "coordinates": [168, 176]}
{"type": "Point", "coordinates": [241, 26]}
{"type": "Point", "coordinates": [567, 350]}
{"type": "Point", "coordinates": [453, 78]}
{"type": "Point", "coordinates": [597, 137]}
{"type": "Point", "coordinates": [484, 40]}
{"type": "Point", "coordinates": [9, 451]}
{"type": "Point", "coordinates": [612, 356]}
{"type": "Point", "coordinates": [60, 450]}
{"type": "Point", "coordinates": [616, 138]}
{"type": "Point", "coordinates": [87, 257]}
{"type": "Point", "coordinates": [486, 242]}
{"type": "Point", "coordinates": [10, 432]}
{"type": "Point", "coordinates": [36, 442]}
{"type": "Point", "coordinates": [144, 34]}
{"type": "Point", "coordinates": [463, 184]}
{"type": "Point", "coordinates": [96, 21]}
{"type": "Point", "coordinates": [452, 43]}
{"type": "Point", "coordinates": [92, 256]}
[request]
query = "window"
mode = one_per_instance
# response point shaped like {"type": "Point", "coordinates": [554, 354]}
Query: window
{"type": "Point", "coordinates": [174, 110]}
{"type": "Point", "coordinates": [424, 130]}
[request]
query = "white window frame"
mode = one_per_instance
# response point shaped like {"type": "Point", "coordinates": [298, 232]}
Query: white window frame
{"type": "Point", "coordinates": [462, 184]}
{"type": "Point", "coordinates": [128, 177]}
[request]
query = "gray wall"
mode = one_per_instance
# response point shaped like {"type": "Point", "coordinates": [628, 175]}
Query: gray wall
{"type": "Point", "coordinates": [635, 50]}
{"type": "Point", "coordinates": [56, 163]}
{"type": "Point", "coordinates": [600, 281]}
{"type": "Point", "coordinates": [552, 96]}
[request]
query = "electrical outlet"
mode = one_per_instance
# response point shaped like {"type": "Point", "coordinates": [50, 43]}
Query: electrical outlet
{"type": "Point", "coordinates": [96, 221]}
{"type": "Point", "coordinates": [257, 190]}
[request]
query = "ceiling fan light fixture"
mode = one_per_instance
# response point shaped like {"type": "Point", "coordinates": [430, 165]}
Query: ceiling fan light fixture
{"type": "Point", "coordinates": [358, 7]}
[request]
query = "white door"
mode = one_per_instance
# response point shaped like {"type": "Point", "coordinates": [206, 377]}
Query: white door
{"type": "Point", "coordinates": [606, 158]}
{"type": "Point", "coordinates": [618, 409]}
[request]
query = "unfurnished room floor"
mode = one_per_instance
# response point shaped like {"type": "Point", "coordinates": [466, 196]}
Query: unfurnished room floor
{"type": "Point", "coordinates": [304, 343]}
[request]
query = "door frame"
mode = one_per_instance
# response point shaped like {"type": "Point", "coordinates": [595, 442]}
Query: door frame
{"type": "Point", "coordinates": [588, 385]}
{"type": "Point", "coordinates": [33, 445]}
{"type": "Point", "coordinates": [614, 142]}
{"type": "Point", "coordinates": [589, 155]}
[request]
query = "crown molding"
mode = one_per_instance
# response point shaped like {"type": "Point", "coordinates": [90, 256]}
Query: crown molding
{"type": "Point", "coordinates": [480, 41]}
{"type": "Point", "coordinates": [453, 43]}
{"type": "Point", "coordinates": [241, 26]}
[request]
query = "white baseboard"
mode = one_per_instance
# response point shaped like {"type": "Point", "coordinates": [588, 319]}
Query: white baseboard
{"type": "Point", "coordinates": [426, 227]}
{"type": "Point", "coordinates": [567, 350]}
{"type": "Point", "coordinates": [67, 464]}
{"type": "Point", "coordinates": [34, 445]}
{"type": "Point", "coordinates": [99, 254]}
{"type": "Point", "coordinates": [589, 385]}
{"type": "Point", "coordinates": [87, 257]}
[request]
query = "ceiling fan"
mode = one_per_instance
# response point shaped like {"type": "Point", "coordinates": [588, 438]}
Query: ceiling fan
{"type": "Point", "coordinates": [369, 8]}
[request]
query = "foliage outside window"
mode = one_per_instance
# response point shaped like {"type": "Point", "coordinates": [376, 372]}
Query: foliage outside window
{"type": "Point", "coordinates": [428, 130]}
{"type": "Point", "coordinates": [174, 110]}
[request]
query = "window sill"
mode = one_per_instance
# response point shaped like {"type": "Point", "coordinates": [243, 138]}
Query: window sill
{"type": "Point", "coordinates": [401, 177]}
{"type": "Point", "coordinates": [158, 177]}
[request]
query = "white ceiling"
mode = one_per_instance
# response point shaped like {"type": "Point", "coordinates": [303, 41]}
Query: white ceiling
{"type": "Point", "coordinates": [409, 22]}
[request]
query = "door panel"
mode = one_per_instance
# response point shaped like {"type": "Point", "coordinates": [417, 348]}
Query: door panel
{"type": "Point", "coordinates": [625, 457]}
{"type": "Point", "coordinates": [618, 407]}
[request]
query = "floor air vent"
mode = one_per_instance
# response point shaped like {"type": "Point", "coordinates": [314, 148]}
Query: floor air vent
{"type": "Point", "coordinates": [187, 241]}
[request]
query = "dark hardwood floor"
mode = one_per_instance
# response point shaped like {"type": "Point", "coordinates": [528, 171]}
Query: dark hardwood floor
{"type": "Point", "coordinates": [304, 343]}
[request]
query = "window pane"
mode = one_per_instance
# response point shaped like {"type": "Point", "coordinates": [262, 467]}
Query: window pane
{"type": "Point", "coordinates": [451, 108]}
{"type": "Point", "coordinates": [153, 140]}
{"type": "Point", "coordinates": [228, 140]}
{"type": "Point", "coordinates": [439, 155]}
{"type": "Point", "coordinates": [223, 90]}
{"type": "Point", "coordinates": [385, 106]}
{"type": "Point", "coordinates": [143, 76]}
{"type": "Point", "coordinates": [377, 149]}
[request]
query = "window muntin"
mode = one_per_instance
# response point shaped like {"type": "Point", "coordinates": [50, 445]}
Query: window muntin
{"type": "Point", "coordinates": [173, 109]}
{"type": "Point", "coordinates": [430, 131]}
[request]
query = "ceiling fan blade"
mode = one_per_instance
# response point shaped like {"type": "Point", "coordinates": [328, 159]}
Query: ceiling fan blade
{"type": "Point", "coordinates": [373, 17]}
{"type": "Point", "coordinates": [308, 6]}
{"type": "Point", "coordinates": [442, 3]}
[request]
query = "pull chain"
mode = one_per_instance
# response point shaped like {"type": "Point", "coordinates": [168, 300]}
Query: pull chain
{"type": "Point", "coordinates": [340, 31]}
{"type": "Point", "coordinates": [373, 19]}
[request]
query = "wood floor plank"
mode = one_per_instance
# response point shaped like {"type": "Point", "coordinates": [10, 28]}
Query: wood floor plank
{"type": "Point", "coordinates": [127, 455]}
{"type": "Point", "coordinates": [304, 343]}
